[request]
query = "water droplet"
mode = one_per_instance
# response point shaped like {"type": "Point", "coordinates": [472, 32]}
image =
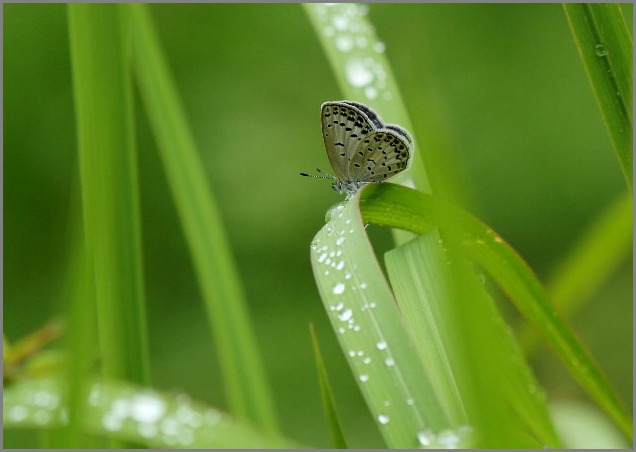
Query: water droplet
{"type": "Point", "coordinates": [600, 50]}
{"type": "Point", "coordinates": [390, 362]}
{"type": "Point", "coordinates": [147, 408]}
{"type": "Point", "coordinates": [357, 73]}
{"type": "Point", "coordinates": [322, 257]}
{"type": "Point", "coordinates": [111, 422]}
{"type": "Point", "coordinates": [363, 285]}
{"type": "Point", "coordinates": [344, 43]}
{"type": "Point", "coordinates": [339, 306]}
{"type": "Point", "coordinates": [381, 345]}
{"type": "Point", "coordinates": [383, 419]}
{"type": "Point", "coordinates": [379, 47]}
{"type": "Point", "coordinates": [338, 288]}
{"type": "Point", "coordinates": [352, 353]}
{"type": "Point", "coordinates": [426, 437]}
{"type": "Point", "coordinates": [340, 265]}
{"type": "Point", "coordinates": [340, 241]}
{"type": "Point", "coordinates": [347, 275]}
{"type": "Point", "coordinates": [367, 360]}
{"type": "Point", "coordinates": [370, 92]}
{"type": "Point", "coordinates": [448, 439]}
{"type": "Point", "coordinates": [364, 378]}
{"type": "Point", "coordinates": [340, 22]}
{"type": "Point", "coordinates": [345, 315]}
{"type": "Point", "coordinates": [410, 402]}
{"type": "Point", "coordinates": [18, 413]}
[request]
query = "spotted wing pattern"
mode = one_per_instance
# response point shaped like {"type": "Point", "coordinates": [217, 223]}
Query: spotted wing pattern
{"type": "Point", "coordinates": [380, 155]}
{"type": "Point", "coordinates": [344, 126]}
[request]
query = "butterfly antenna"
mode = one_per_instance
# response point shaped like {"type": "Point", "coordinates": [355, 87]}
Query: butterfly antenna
{"type": "Point", "coordinates": [321, 175]}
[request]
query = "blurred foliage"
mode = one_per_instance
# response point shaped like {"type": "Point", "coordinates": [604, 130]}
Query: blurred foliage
{"type": "Point", "coordinates": [506, 82]}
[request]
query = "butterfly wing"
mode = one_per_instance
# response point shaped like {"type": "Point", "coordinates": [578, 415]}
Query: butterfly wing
{"type": "Point", "coordinates": [344, 126]}
{"type": "Point", "coordinates": [381, 154]}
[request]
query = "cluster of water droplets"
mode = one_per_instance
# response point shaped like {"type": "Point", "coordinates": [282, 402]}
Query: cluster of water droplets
{"type": "Point", "coordinates": [460, 437]}
{"type": "Point", "coordinates": [342, 281]}
{"type": "Point", "coordinates": [352, 35]}
{"type": "Point", "coordinates": [173, 424]}
{"type": "Point", "coordinates": [41, 407]}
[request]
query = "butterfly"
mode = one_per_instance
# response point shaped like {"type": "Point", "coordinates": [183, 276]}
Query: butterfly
{"type": "Point", "coordinates": [361, 147]}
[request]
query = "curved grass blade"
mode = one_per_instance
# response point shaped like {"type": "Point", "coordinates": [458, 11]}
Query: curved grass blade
{"type": "Point", "coordinates": [605, 46]}
{"type": "Point", "coordinates": [395, 206]}
{"type": "Point", "coordinates": [133, 414]}
{"type": "Point", "coordinates": [364, 316]}
{"type": "Point", "coordinates": [603, 246]}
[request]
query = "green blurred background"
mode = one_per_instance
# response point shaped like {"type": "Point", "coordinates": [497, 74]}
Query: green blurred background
{"type": "Point", "coordinates": [505, 83]}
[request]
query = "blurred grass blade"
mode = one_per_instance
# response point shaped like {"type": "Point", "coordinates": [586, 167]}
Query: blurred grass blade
{"type": "Point", "coordinates": [500, 373]}
{"type": "Point", "coordinates": [108, 168]}
{"type": "Point", "coordinates": [395, 206]}
{"type": "Point", "coordinates": [422, 295]}
{"type": "Point", "coordinates": [243, 373]}
{"type": "Point", "coordinates": [603, 246]}
{"type": "Point", "coordinates": [134, 414]}
{"type": "Point", "coordinates": [364, 316]}
{"type": "Point", "coordinates": [605, 46]}
{"type": "Point", "coordinates": [335, 429]}
{"type": "Point", "coordinates": [362, 70]}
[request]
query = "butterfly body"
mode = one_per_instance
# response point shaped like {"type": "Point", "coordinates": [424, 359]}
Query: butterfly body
{"type": "Point", "coordinates": [361, 148]}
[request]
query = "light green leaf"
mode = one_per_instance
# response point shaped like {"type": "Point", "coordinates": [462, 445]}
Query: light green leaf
{"type": "Point", "coordinates": [131, 413]}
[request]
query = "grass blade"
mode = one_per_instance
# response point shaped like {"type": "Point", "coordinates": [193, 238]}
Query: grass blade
{"type": "Point", "coordinates": [335, 429]}
{"type": "Point", "coordinates": [108, 167]}
{"type": "Point", "coordinates": [363, 313]}
{"type": "Point", "coordinates": [603, 246]}
{"type": "Point", "coordinates": [605, 46]}
{"type": "Point", "coordinates": [362, 70]}
{"type": "Point", "coordinates": [134, 414]}
{"type": "Point", "coordinates": [469, 353]}
{"type": "Point", "coordinates": [400, 207]}
{"type": "Point", "coordinates": [243, 373]}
